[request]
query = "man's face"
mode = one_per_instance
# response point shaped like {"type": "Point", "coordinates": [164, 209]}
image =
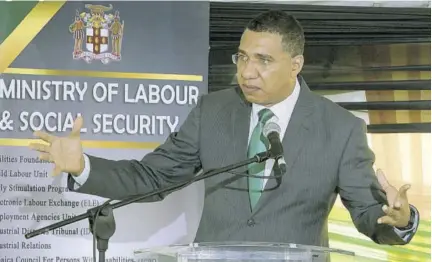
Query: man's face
{"type": "Point", "coordinates": [266, 73]}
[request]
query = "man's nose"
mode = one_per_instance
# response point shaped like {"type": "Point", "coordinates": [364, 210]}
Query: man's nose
{"type": "Point", "coordinates": [249, 71]}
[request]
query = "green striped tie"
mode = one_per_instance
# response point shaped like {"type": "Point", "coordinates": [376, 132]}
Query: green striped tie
{"type": "Point", "coordinates": [257, 144]}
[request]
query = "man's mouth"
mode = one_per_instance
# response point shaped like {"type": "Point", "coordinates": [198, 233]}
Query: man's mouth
{"type": "Point", "coordinates": [250, 88]}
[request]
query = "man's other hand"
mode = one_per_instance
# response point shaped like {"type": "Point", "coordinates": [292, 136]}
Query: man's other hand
{"type": "Point", "coordinates": [398, 212]}
{"type": "Point", "coordinates": [65, 152]}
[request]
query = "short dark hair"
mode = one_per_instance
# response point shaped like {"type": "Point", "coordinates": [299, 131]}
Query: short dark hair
{"type": "Point", "coordinates": [284, 24]}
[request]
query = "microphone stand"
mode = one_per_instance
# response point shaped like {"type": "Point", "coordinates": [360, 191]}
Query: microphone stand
{"type": "Point", "coordinates": [101, 218]}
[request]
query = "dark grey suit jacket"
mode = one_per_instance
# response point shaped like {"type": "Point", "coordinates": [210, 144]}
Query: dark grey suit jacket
{"type": "Point", "coordinates": [326, 152]}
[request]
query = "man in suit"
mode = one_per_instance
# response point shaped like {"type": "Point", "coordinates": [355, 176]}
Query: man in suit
{"type": "Point", "coordinates": [325, 149]}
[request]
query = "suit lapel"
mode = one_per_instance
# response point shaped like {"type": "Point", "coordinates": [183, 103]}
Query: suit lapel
{"type": "Point", "coordinates": [299, 126]}
{"type": "Point", "coordinates": [240, 121]}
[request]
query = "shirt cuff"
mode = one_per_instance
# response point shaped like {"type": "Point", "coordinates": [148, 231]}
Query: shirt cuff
{"type": "Point", "coordinates": [82, 178]}
{"type": "Point", "coordinates": [406, 234]}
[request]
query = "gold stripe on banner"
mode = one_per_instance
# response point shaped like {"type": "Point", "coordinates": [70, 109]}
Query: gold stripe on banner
{"type": "Point", "coordinates": [24, 33]}
{"type": "Point", "coordinates": [106, 74]}
{"type": "Point", "coordinates": [86, 143]}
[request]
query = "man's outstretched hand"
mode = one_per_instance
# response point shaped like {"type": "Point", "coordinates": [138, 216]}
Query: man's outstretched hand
{"type": "Point", "coordinates": [65, 152]}
{"type": "Point", "coordinates": [398, 213]}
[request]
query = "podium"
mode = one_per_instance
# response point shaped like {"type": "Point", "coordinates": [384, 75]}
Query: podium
{"type": "Point", "coordinates": [242, 252]}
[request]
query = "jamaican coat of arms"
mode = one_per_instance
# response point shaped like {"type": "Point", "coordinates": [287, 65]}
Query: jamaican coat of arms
{"type": "Point", "coordinates": [100, 32]}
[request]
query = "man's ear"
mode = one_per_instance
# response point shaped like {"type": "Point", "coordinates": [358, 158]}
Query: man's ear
{"type": "Point", "coordinates": [297, 64]}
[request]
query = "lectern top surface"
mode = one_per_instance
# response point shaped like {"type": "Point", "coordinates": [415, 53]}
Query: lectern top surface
{"type": "Point", "coordinates": [231, 250]}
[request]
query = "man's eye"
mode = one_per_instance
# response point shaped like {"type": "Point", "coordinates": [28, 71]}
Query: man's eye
{"type": "Point", "coordinates": [265, 61]}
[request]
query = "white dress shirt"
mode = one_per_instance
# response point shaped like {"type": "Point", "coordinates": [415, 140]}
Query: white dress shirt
{"type": "Point", "coordinates": [282, 111]}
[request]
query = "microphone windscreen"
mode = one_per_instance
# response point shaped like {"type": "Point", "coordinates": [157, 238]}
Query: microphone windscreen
{"type": "Point", "coordinates": [271, 127]}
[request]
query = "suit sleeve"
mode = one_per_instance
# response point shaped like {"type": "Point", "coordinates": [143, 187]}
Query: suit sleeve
{"type": "Point", "coordinates": [360, 190]}
{"type": "Point", "coordinates": [176, 160]}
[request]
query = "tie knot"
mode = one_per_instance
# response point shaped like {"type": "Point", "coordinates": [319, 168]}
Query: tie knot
{"type": "Point", "coordinates": [264, 115]}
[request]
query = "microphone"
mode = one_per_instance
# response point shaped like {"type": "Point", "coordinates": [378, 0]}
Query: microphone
{"type": "Point", "coordinates": [272, 131]}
